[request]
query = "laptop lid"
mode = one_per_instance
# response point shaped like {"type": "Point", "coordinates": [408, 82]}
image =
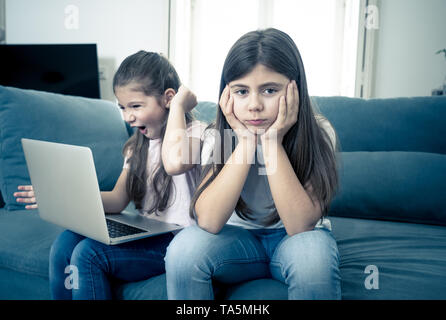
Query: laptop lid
{"type": "Point", "coordinates": [66, 187]}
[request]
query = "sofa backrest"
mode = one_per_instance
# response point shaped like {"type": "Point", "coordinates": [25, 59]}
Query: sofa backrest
{"type": "Point", "coordinates": [39, 115]}
{"type": "Point", "coordinates": [392, 159]}
{"type": "Point", "coordinates": [93, 123]}
{"type": "Point", "coordinates": [397, 124]}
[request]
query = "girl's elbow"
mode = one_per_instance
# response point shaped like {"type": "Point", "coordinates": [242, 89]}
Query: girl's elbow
{"type": "Point", "coordinates": [172, 170]}
{"type": "Point", "coordinates": [208, 225]}
{"type": "Point", "coordinates": [209, 228]}
{"type": "Point", "coordinates": [293, 231]}
{"type": "Point", "coordinates": [302, 225]}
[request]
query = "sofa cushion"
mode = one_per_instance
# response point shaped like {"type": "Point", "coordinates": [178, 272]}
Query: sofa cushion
{"type": "Point", "coordinates": [25, 242]}
{"type": "Point", "coordinates": [155, 289]}
{"type": "Point", "coordinates": [410, 259]}
{"type": "Point", "coordinates": [400, 186]}
{"type": "Point", "coordinates": [396, 124]}
{"type": "Point", "coordinates": [58, 118]}
{"type": "Point", "coordinates": [15, 285]}
{"type": "Point", "coordinates": [151, 289]}
{"type": "Point", "coordinates": [205, 111]}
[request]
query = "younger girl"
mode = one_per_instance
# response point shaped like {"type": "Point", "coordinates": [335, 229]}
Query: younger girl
{"type": "Point", "coordinates": [252, 225]}
{"type": "Point", "coordinates": [146, 87]}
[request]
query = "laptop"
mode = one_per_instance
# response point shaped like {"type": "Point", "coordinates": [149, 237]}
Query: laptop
{"type": "Point", "coordinates": [67, 193]}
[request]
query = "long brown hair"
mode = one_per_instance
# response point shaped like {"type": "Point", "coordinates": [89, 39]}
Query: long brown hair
{"type": "Point", "coordinates": [154, 74]}
{"type": "Point", "coordinates": [308, 147]}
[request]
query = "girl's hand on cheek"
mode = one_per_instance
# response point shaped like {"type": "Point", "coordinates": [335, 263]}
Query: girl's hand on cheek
{"type": "Point", "coordinates": [227, 107]}
{"type": "Point", "coordinates": [287, 115]}
{"type": "Point", "coordinates": [184, 98]}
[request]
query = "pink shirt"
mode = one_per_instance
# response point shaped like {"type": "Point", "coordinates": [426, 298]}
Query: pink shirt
{"type": "Point", "coordinates": [184, 184]}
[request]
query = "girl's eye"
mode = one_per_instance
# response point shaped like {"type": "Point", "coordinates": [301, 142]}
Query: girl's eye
{"type": "Point", "coordinates": [241, 92]}
{"type": "Point", "coordinates": [270, 91]}
{"type": "Point", "coordinates": [135, 106]}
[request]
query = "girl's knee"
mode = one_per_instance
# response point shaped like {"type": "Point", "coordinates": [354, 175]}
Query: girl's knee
{"type": "Point", "coordinates": [313, 252]}
{"type": "Point", "coordinates": [187, 244]}
{"type": "Point", "coordinates": [62, 248]}
{"type": "Point", "coordinates": [194, 246]}
{"type": "Point", "coordinates": [309, 263]}
{"type": "Point", "coordinates": [318, 242]}
{"type": "Point", "coordinates": [88, 252]}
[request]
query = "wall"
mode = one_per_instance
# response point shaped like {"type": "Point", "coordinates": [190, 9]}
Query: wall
{"type": "Point", "coordinates": [410, 32]}
{"type": "Point", "coordinates": [2, 21]}
{"type": "Point", "coordinates": [119, 28]}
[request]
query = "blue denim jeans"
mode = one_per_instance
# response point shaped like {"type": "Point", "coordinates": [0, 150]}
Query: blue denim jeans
{"type": "Point", "coordinates": [81, 268]}
{"type": "Point", "coordinates": [307, 262]}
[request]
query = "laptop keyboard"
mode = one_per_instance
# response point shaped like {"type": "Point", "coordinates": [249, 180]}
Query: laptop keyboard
{"type": "Point", "coordinates": [117, 229]}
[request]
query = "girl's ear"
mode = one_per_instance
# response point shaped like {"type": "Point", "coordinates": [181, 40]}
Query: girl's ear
{"type": "Point", "coordinates": [168, 95]}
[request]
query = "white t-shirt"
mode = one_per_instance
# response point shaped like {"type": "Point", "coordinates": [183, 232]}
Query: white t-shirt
{"type": "Point", "coordinates": [256, 192]}
{"type": "Point", "coordinates": [184, 184]}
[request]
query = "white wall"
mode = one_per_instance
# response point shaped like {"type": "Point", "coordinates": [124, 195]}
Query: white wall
{"type": "Point", "coordinates": [410, 32]}
{"type": "Point", "coordinates": [2, 21]}
{"type": "Point", "coordinates": [119, 27]}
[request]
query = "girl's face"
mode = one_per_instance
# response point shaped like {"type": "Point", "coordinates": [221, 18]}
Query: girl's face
{"type": "Point", "coordinates": [256, 97]}
{"type": "Point", "coordinates": [141, 111]}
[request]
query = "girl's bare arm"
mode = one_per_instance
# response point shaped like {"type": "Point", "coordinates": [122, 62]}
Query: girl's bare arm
{"type": "Point", "coordinates": [292, 200]}
{"type": "Point", "coordinates": [116, 200]}
{"type": "Point", "coordinates": [217, 202]}
{"type": "Point", "coordinates": [293, 203]}
{"type": "Point", "coordinates": [179, 153]}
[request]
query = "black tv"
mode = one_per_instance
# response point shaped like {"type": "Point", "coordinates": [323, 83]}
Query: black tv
{"type": "Point", "coordinates": [60, 68]}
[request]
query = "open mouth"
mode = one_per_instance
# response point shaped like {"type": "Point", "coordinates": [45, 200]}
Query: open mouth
{"type": "Point", "coordinates": [142, 129]}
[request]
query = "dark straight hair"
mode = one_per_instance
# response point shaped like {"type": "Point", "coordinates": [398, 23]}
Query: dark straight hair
{"type": "Point", "coordinates": [153, 74]}
{"type": "Point", "coordinates": [308, 147]}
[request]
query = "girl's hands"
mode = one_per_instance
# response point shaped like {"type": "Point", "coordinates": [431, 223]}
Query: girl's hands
{"type": "Point", "coordinates": [227, 107]}
{"type": "Point", "coordinates": [287, 116]}
{"type": "Point", "coordinates": [184, 98]}
{"type": "Point", "coordinates": [26, 196]}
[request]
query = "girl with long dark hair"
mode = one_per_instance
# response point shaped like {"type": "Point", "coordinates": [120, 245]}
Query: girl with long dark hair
{"type": "Point", "coordinates": [261, 207]}
{"type": "Point", "coordinates": [160, 184]}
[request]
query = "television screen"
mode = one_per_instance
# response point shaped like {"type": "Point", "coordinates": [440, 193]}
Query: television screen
{"type": "Point", "coordinates": [60, 68]}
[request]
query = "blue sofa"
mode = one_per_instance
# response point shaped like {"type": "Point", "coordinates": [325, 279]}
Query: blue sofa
{"type": "Point", "coordinates": [389, 217]}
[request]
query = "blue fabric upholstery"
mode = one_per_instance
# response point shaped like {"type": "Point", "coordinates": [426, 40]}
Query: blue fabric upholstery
{"type": "Point", "coordinates": [58, 118]}
{"type": "Point", "coordinates": [392, 168]}
{"type": "Point", "coordinates": [398, 186]}
{"type": "Point", "coordinates": [410, 259]}
{"type": "Point", "coordinates": [205, 111]}
{"type": "Point", "coordinates": [25, 240]}
{"type": "Point", "coordinates": [397, 124]}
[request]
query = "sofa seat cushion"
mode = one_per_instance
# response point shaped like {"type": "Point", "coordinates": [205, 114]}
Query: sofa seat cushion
{"type": "Point", "coordinates": [410, 259]}
{"type": "Point", "coordinates": [155, 289]}
{"type": "Point", "coordinates": [16, 285]}
{"type": "Point", "coordinates": [150, 289]}
{"type": "Point", "coordinates": [25, 242]}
